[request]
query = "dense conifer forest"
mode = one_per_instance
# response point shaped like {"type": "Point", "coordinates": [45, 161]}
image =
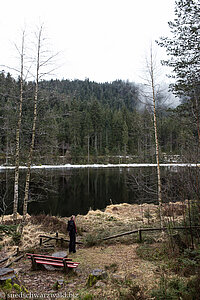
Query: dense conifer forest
{"type": "Point", "coordinates": [85, 122]}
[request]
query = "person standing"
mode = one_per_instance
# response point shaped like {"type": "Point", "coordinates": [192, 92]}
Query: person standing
{"type": "Point", "coordinates": [71, 228]}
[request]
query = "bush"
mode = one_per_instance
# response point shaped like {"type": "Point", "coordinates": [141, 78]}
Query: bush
{"type": "Point", "coordinates": [133, 293]}
{"type": "Point", "coordinates": [171, 290]}
{"type": "Point", "coordinates": [52, 223]}
{"type": "Point", "coordinates": [150, 252]}
{"type": "Point", "coordinates": [87, 297]}
{"type": "Point", "coordinates": [194, 288]}
{"type": "Point", "coordinates": [91, 240]}
{"type": "Point", "coordinates": [8, 229]}
{"type": "Point", "coordinates": [188, 264]}
{"type": "Point", "coordinates": [16, 237]}
{"type": "Point", "coordinates": [112, 267]}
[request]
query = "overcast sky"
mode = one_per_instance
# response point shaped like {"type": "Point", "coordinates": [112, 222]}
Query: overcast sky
{"type": "Point", "coordinates": [102, 40]}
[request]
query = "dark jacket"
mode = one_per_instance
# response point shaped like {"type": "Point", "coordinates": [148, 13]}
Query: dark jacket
{"type": "Point", "coordinates": [71, 227]}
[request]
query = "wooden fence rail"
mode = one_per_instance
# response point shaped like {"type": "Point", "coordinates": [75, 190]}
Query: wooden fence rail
{"type": "Point", "coordinates": [140, 230]}
{"type": "Point", "coordinates": [48, 238]}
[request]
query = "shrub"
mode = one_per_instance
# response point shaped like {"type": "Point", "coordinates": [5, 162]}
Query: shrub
{"type": "Point", "coordinates": [16, 237]}
{"type": "Point", "coordinates": [150, 252]}
{"type": "Point", "coordinates": [91, 240]}
{"type": "Point", "coordinates": [8, 229]}
{"type": "Point", "coordinates": [170, 290]}
{"type": "Point", "coordinates": [52, 223]}
{"type": "Point", "coordinates": [187, 264]}
{"type": "Point", "coordinates": [134, 293]}
{"type": "Point", "coordinates": [112, 267]}
{"type": "Point", "coordinates": [87, 297]}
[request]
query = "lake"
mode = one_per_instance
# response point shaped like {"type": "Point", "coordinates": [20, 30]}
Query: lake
{"type": "Point", "coordinates": [69, 190]}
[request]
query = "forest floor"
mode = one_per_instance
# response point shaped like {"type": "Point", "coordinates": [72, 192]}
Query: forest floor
{"type": "Point", "coordinates": [129, 275]}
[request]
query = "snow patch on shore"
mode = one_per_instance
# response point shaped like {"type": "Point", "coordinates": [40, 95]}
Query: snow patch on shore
{"type": "Point", "coordinates": [69, 166]}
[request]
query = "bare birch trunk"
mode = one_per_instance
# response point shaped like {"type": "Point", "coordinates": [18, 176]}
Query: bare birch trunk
{"type": "Point", "coordinates": [28, 174]}
{"type": "Point", "coordinates": [197, 118]}
{"type": "Point", "coordinates": [16, 182]}
{"type": "Point", "coordinates": [156, 139]}
{"type": "Point", "coordinates": [88, 147]}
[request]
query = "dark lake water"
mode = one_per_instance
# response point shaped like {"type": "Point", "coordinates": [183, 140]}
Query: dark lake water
{"type": "Point", "coordinates": [74, 191]}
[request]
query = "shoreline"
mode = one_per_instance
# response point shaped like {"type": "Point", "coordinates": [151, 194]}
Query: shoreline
{"type": "Point", "coordinates": [79, 166]}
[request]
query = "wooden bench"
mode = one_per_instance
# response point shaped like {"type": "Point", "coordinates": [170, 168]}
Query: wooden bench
{"type": "Point", "coordinates": [38, 260]}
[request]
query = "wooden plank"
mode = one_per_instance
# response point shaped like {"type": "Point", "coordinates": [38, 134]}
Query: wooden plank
{"type": "Point", "coordinates": [73, 262]}
{"type": "Point", "coordinates": [54, 261]}
{"type": "Point", "coordinates": [46, 256]}
{"type": "Point", "coordinates": [72, 266]}
{"type": "Point", "coordinates": [57, 264]}
{"type": "Point", "coordinates": [51, 260]}
{"type": "Point", "coordinates": [48, 260]}
{"type": "Point", "coordinates": [45, 262]}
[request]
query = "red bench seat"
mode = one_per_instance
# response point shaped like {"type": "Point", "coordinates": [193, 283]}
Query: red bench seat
{"type": "Point", "coordinates": [38, 259]}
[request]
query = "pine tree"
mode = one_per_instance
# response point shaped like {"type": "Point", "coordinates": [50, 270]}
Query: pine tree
{"type": "Point", "coordinates": [184, 50]}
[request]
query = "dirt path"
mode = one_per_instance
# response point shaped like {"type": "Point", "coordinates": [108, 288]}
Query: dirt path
{"type": "Point", "coordinates": [120, 261]}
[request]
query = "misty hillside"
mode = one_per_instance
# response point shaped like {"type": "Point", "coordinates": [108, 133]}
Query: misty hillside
{"type": "Point", "coordinates": [84, 120]}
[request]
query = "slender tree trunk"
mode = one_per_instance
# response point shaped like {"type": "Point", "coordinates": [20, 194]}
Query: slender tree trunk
{"type": "Point", "coordinates": [28, 174]}
{"type": "Point", "coordinates": [156, 139]}
{"type": "Point", "coordinates": [88, 146]}
{"type": "Point", "coordinates": [95, 143]}
{"type": "Point", "coordinates": [16, 182]}
{"type": "Point", "coordinates": [7, 148]}
{"type": "Point", "coordinates": [197, 117]}
{"type": "Point", "coordinates": [106, 137]}
{"type": "Point", "coordinates": [171, 142]}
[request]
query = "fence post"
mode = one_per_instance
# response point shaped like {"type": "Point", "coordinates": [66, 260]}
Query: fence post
{"type": "Point", "coordinates": [56, 237]}
{"type": "Point", "coordinates": [34, 264]}
{"type": "Point", "coordinates": [140, 234]}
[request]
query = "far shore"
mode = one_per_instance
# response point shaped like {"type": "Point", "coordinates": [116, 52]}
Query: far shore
{"type": "Point", "coordinates": [71, 166]}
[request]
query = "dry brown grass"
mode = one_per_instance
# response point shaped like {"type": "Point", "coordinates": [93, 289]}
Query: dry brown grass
{"type": "Point", "coordinates": [115, 219]}
{"type": "Point", "coordinates": [125, 217]}
{"type": "Point", "coordinates": [54, 224]}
